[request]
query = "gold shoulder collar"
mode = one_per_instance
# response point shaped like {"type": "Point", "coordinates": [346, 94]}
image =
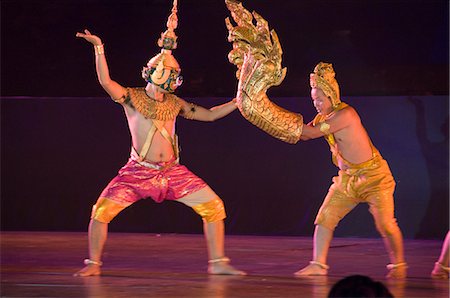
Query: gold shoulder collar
{"type": "Point", "coordinates": [321, 118]}
{"type": "Point", "coordinates": [153, 109]}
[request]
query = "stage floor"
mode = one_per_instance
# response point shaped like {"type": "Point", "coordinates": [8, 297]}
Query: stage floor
{"type": "Point", "coordinates": [41, 264]}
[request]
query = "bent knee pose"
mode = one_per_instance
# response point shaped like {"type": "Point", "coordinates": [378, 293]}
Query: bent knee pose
{"type": "Point", "coordinates": [364, 176]}
{"type": "Point", "coordinates": [153, 169]}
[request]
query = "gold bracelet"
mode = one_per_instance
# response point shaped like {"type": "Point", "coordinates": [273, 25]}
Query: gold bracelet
{"type": "Point", "coordinates": [99, 50]}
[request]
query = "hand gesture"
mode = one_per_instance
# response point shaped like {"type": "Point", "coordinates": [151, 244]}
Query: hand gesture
{"type": "Point", "coordinates": [94, 39]}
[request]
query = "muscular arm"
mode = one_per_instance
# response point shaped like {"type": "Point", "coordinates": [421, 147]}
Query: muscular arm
{"type": "Point", "coordinates": [114, 89]}
{"type": "Point", "coordinates": [340, 120]}
{"type": "Point", "coordinates": [195, 112]}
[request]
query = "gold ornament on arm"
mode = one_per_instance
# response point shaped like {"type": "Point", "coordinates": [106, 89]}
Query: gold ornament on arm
{"type": "Point", "coordinates": [257, 54]}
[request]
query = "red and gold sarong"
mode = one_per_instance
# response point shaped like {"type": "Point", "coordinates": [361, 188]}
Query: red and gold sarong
{"type": "Point", "coordinates": [160, 181]}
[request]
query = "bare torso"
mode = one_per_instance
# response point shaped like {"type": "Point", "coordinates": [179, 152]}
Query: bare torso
{"type": "Point", "coordinates": [352, 141]}
{"type": "Point", "coordinates": [160, 148]}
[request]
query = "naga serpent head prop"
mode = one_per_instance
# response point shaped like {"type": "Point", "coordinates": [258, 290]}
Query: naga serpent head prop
{"type": "Point", "coordinates": [254, 43]}
{"type": "Point", "coordinates": [257, 54]}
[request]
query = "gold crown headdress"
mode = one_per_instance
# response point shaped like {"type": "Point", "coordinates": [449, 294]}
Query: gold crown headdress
{"type": "Point", "coordinates": [323, 78]}
{"type": "Point", "coordinates": [163, 69]}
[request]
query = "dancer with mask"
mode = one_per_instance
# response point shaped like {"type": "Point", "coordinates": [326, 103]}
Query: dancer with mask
{"type": "Point", "coordinates": [153, 169]}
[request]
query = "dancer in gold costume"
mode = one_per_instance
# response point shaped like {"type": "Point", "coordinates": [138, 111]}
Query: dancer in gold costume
{"type": "Point", "coordinates": [363, 177]}
{"type": "Point", "coordinates": [153, 169]}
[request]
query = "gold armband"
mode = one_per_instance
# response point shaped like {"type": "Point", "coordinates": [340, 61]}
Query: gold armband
{"type": "Point", "coordinates": [325, 128]}
{"type": "Point", "coordinates": [99, 49]}
{"type": "Point", "coordinates": [190, 113]}
{"type": "Point", "coordinates": [123, 99]}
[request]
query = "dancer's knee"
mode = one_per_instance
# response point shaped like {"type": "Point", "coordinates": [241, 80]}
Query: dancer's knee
{"type": "Point", "coordinates": [387, 228]}
{"type": "Point", "coordinates": [105, 210]}
{"type": "Point", "coordinates": [329, 221]}
{"type": "Point", "coordinates": [211, 211]}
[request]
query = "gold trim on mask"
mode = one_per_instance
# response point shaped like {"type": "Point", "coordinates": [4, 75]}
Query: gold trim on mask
{"type": "Point", "coordinates": [167, 109]}
{"type": "Point", "coordinates": [163, 70]}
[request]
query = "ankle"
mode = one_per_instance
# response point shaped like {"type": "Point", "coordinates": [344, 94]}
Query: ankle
{"type": "Point", "coordinates": [90, 262]}
{"type": "Point", "coordinates": [402, 265]}
{"type": "Point", "coordinates": [321, 265]}
{"type": "Point", "coordinates": [219, 260]}
{"type": "Point", "coordinates": [442, 267]}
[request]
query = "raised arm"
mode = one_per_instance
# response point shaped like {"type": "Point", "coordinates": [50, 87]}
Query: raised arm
{"type": "Point", "coordinates": [114, 89]}
{"type": "Point", "coordinates": [194, 112]}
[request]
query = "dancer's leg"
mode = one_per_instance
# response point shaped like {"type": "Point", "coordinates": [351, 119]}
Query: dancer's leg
{"type": "Point", "coordinates": [97, 237]}
{"type": "Point", "coordinates": [322, 240]}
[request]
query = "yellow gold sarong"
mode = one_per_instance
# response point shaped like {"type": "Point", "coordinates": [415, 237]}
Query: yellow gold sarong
{"type": "Point", "coordinates": [370, 182]}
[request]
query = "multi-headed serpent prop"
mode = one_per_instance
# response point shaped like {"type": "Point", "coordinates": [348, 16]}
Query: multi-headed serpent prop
{"type": "Point", "coordinates": [257, 54]}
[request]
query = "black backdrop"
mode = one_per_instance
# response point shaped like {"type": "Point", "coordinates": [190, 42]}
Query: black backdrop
{"type": "Point", "coordinates": [397, 47]}
{"type": "Point", "coordinates": [62, 140]}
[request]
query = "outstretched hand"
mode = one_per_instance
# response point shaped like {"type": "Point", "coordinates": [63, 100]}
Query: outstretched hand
{"type": "Point", "coordinates": [94, 39]}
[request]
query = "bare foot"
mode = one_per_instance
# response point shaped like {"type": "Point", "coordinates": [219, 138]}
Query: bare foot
{"type": "Point", "coordinates": [89, 270]}
{"type": "Point", "coordinates": [439, 271]}
{"type": "Point", "coordinates": [223, 268]}
{"type": "Point", "coordinates": [397, 271]}
{"type": "Point", "coordinates": [312, 269]}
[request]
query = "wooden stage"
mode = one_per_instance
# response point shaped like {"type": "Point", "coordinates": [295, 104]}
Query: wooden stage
{"type": "Point", "coordinates": [41, 264]}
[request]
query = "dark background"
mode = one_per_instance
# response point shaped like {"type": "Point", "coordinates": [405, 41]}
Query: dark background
{"type": "Point", "coordinates": [387, 47]}
{"type": "Point", "coordinates": [63, 140]}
